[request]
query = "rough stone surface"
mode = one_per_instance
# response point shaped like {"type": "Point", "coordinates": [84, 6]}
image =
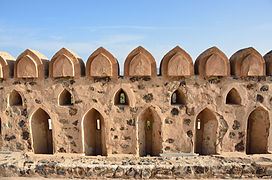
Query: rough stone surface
{"type": "Point", "coordinates": [69, 166]}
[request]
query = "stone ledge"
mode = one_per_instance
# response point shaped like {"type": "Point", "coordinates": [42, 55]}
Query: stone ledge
{"type": "Point", "coordinates": [70, 166]}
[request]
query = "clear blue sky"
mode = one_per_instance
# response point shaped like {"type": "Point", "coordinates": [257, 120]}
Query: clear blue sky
{"type": "Point", "coordinates": [122, 25]}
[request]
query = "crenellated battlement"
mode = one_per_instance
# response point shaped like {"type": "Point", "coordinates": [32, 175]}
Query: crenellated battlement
{"type": "Point", "coordinates": [214, 106]}
{"type": "Point", "coordinates": [139, 63]}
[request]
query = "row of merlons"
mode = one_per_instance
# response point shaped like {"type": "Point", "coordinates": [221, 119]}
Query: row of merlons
{"type": "Point", "coordinates": [139, 63]}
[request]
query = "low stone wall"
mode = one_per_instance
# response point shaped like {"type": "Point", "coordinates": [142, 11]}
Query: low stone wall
{"type": "Point", "coordinates": [71, 166]}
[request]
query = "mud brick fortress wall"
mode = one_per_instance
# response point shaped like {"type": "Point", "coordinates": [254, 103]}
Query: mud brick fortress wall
{"type": "Point", "coordinates": [214, 106]}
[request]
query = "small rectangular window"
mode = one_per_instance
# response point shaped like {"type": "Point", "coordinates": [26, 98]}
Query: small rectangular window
{"type": "Point", "coordinates": [98, 124]}
{"type": "Point", "coordinates": [148, 125]}
{"type": "Point", "coordinates": [50, 124]}
{"type": "Point", "coordinates": [198, 124]}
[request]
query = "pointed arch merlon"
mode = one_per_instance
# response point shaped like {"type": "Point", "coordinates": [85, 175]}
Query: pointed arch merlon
{"type": "Point", "coordinates": [31, 64]}
{"type": "Point", "coordinates": [140, 63]}
{"type": "Point", "coordinates": [177, 62]}
{"type": "Point", "coordinates": [15, 98]}
{"type": "Point", "coordinates": [42, 137]}
{"type": "Point", "coordinates": [66, 63]}
{"type": "Point", "coordinates": [233, 97]}
{"type": "Point", "coordinates": [94, 133]}
{"type": "Point", "coordinates": [247, 62]}
{"type": "Point", "coordinates": [6, 65]}
{"type": "Point", "coordinates": [121, 98]}
{"type": "Point", "coordinates": [66, 98]}
{"type": "Point", "coordinates": [205, 132]}
{"type": "Point", "coordinates": [212, 62]}
{"type": "Point", "coordinates": [258, 126]}
{"type": "Point", "coordinates": [268, 61]}
{"type": "Point", "coordinates": [101, 63]}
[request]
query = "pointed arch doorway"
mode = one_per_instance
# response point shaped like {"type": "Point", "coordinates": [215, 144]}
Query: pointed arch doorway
{"type": "Point", "coordinates": [205, 128]}
{"type": "Point", "coordinates": [257, 131]}
{"type": "Point", "coordinates": [149, 133]}
{"type": "Point", "coordinates": [94, 134]}
{"type": "Point", "coordinates": [41, 130]}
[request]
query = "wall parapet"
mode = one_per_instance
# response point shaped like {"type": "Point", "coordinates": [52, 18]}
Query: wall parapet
{"type": "Point", "coordinates": [139, 63]}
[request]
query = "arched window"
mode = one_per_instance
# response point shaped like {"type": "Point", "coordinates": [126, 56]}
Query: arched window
{"type": "Point", "coordinates": [178, 98]}
{"type": "Point", "coordinates": [15, 99]}
{"type": "Point", "coordinates": [66, 98]}
{"type": "Point", "coordinates": [233, 97]}
{"type": "Point", "coordinates": [121, 98]}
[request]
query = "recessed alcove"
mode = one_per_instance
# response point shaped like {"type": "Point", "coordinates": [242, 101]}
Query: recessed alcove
{"type": "Point", "coordinates": [205, 129]}
{"type": "Point", "coordinates": [15, 99]}
{"type": "Point", "coordinates": [178, 98]}
{"type": "Point", "coordinates": [66, 98]}
{"type": "Point", "coordinates": [121, 98]}
{"type": "Point", "coordinates": [233, 97]}
{"type": "Point", "coordinates": [94, 134]}
{"type": "Point", "coordinates": [149, 133]}
{"type": "Point", "coordinates": [257, 131]}
{"type": "Point", "coordinates": [41, 132]}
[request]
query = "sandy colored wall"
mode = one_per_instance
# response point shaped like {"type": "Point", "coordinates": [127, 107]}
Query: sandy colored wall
{"type": "Point", "coordinates": [121, 122]}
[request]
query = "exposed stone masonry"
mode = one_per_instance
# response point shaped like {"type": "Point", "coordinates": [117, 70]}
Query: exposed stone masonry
{"type": "Point", "coordinates": [69, 166]}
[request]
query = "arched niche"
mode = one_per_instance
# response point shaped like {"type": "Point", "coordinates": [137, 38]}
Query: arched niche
{"type": "Point", "coordinates": [66, 98]}
{"type": "Point", "coordinates": [66, 63]}
{"type": "Point", "coordinates": [212, 62]}
{"type": "Point", "coordinates": [178, 98]}
{"type": "Point", "coordinates": [177, 62]}
{"type": "Point", "coordinates": [15, 99]}
{"type": "Point", "coordinates": [233, 97]}
{"type": "Point", "coordinates": [31, 64]}
{"type": "Point", "coordinates": [268, 60]}
{"type": "Point", "coordinates": [6, 65]}
{"type": "Point", "coordinates": [101, 63]}
{"type": "Point", "coordinates": [140, 63]}
{"type": "Point", "coordinates": [247, 62]}
{"type": "Point", "coordinates": [41, 131]}
{"type": "Point", "coordinates": [149, 133]}
{"type": "Point", "coordinates": [94, 134]}
{"type": "Point", "coordinates": [121, 98]}
{"type": "Point", "coordinates": [205, 129]}
{"type": "Point", "coordinates": [258, 125]}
